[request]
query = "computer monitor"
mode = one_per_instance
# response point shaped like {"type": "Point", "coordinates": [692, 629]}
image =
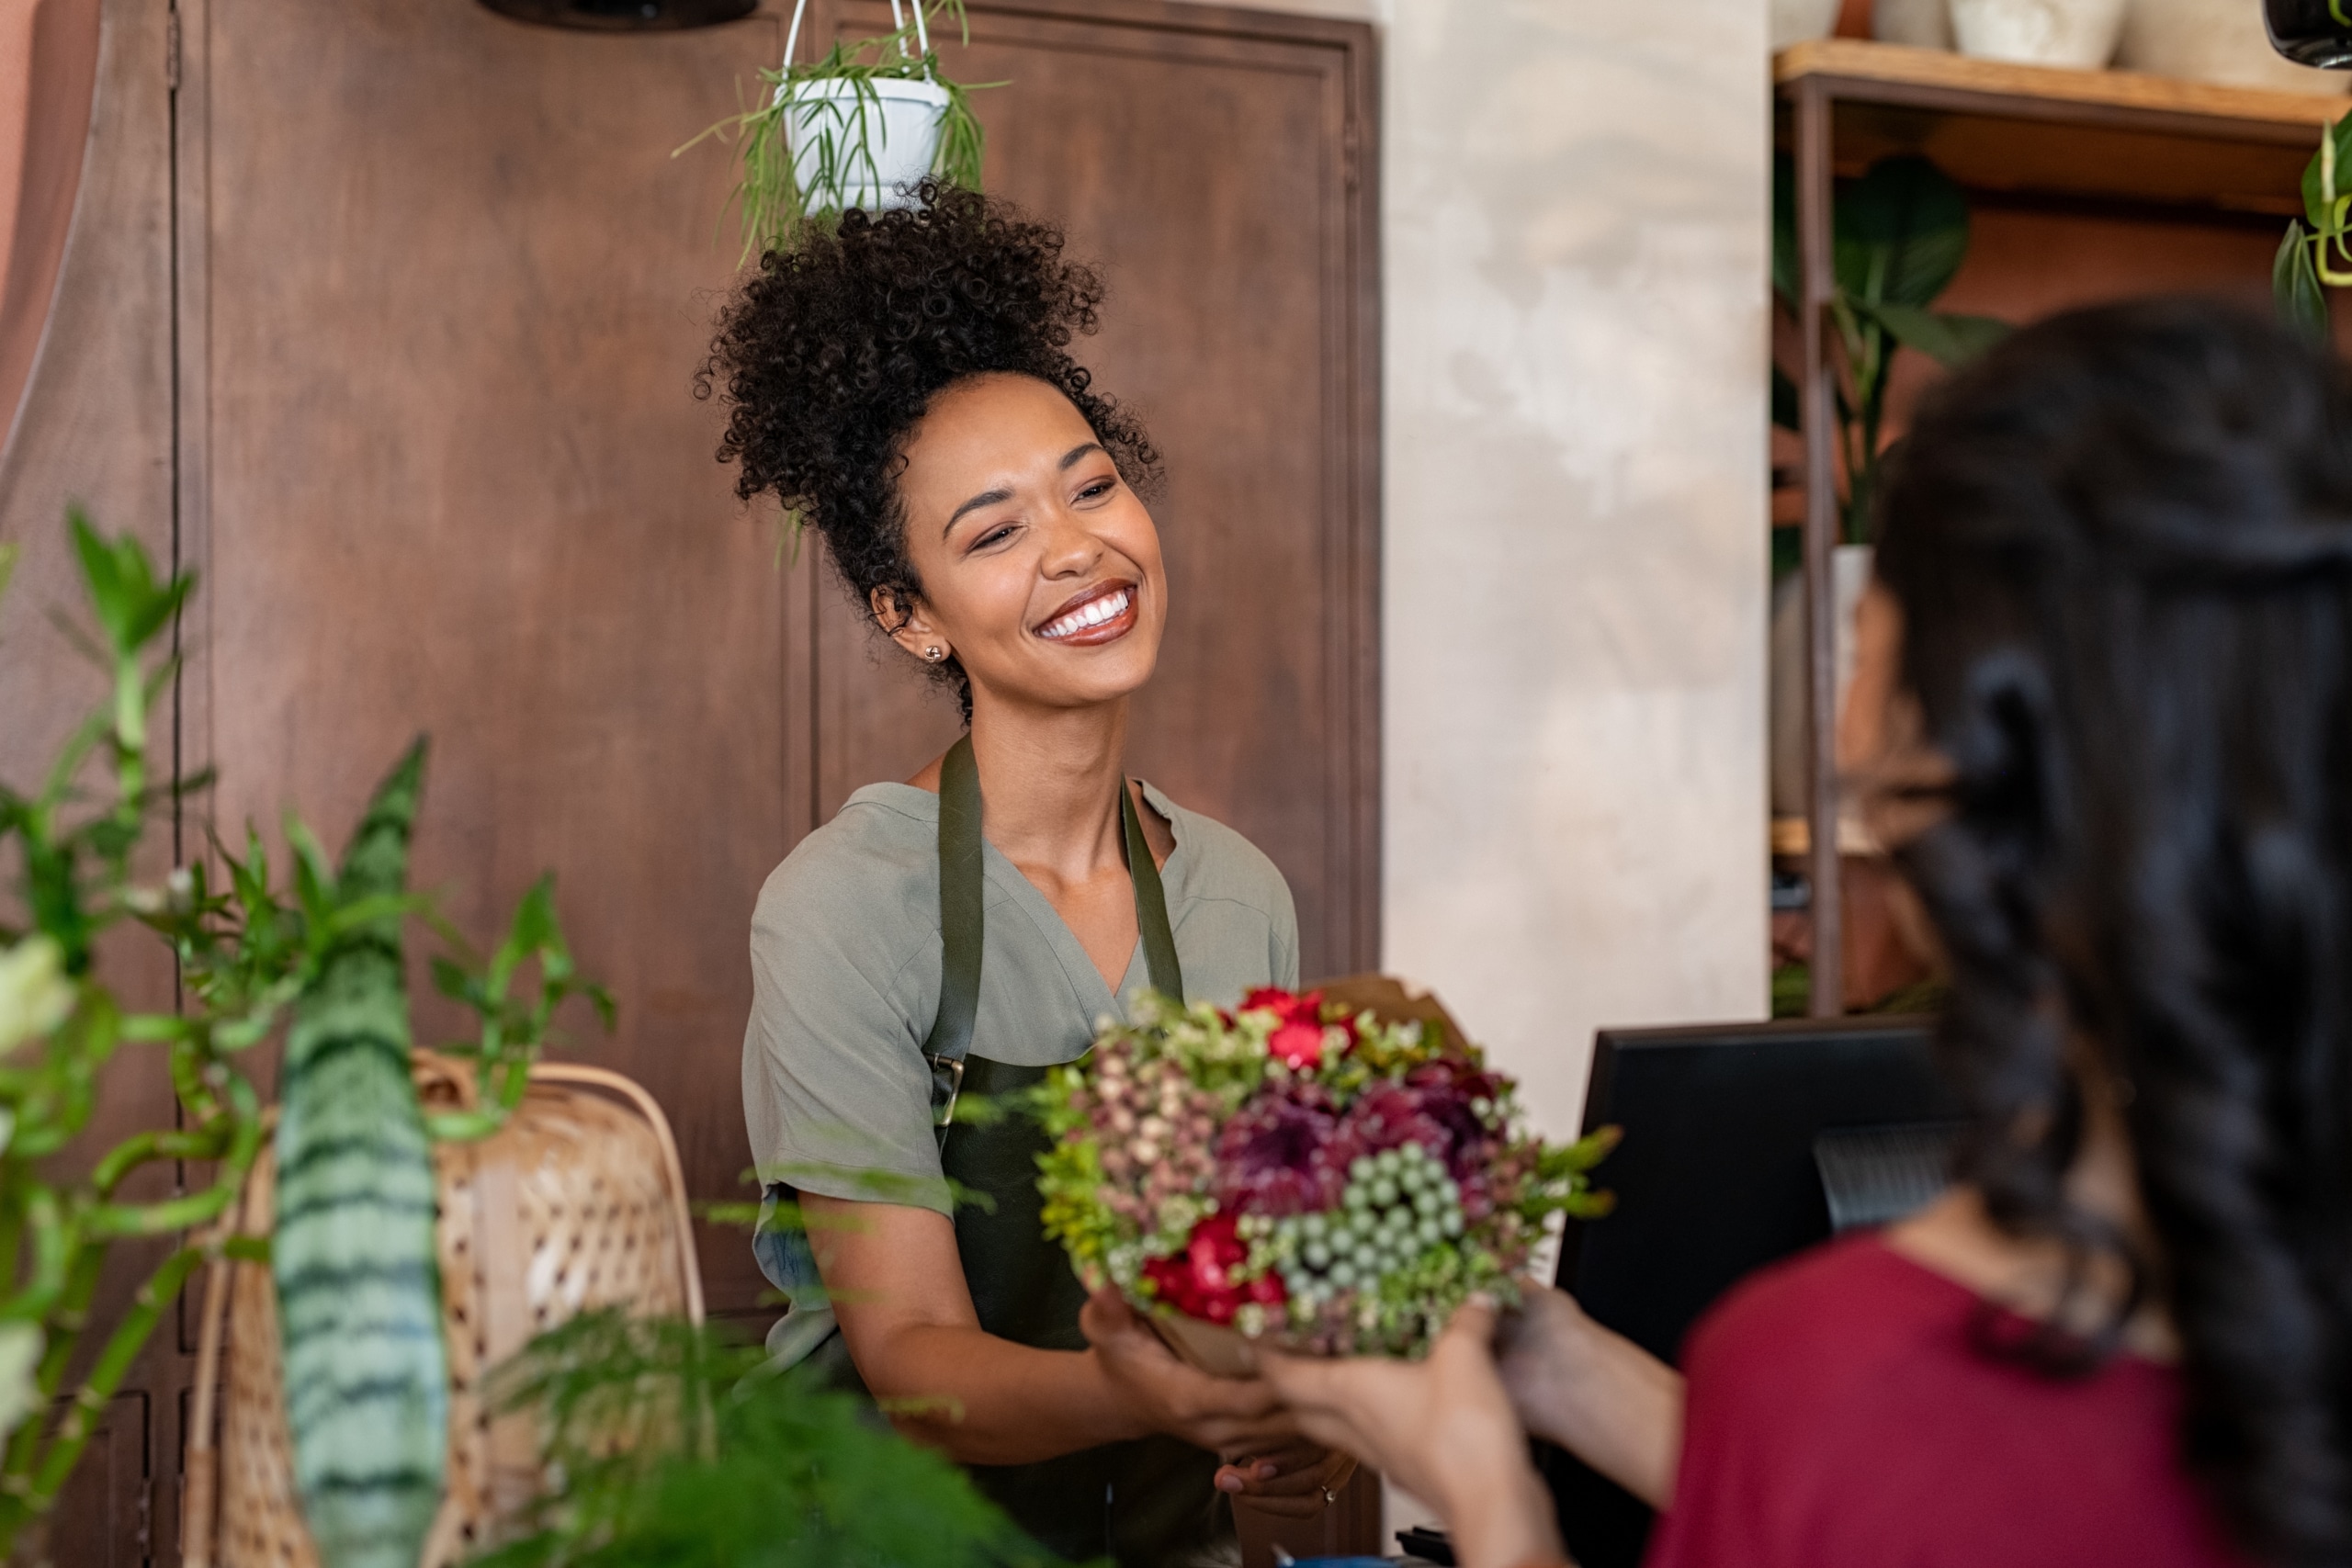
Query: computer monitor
{"type": "Point", "coordinates": [1739, 1142]}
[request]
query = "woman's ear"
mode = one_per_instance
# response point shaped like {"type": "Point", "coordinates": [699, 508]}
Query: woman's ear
{"type": "Point", "coordinates": [910, 627]}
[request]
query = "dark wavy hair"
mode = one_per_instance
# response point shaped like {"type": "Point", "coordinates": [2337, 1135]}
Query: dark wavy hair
{"type": "Point", "coordinates": [831, 351]}
{"type": "Point", "coordinates": [2122, 546]}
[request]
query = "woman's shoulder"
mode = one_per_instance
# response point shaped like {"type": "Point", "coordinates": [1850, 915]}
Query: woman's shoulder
{"type": "Point", "coordinates": [1844, 1310]}
{"type": "Point", "coordinates": [872, 868]}
{"type": "Point", "coordinates": [1219, 864]}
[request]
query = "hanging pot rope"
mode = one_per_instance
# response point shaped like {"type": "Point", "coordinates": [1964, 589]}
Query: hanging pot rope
{"type": "Point", "coordinates": [897, 23]}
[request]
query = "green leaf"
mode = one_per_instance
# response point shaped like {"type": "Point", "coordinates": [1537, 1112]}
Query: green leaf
{"type": "Point", "coordinates": [2321, 205]}
{"type": "Point", "coordinates": [451, 980]}
{"type": "Point", "coordinates": [353, 1254]}
{"type": "Point", "coordinates": [2295, 287]}
{"type": "Point", "coordinates": [1901, 233]}
{"type": "Point", "coordinates": [1948, 339]}
{"type": "Point", "coordinates": [8, 553]}
{"type": "Point", "coordinates": [131, 607]}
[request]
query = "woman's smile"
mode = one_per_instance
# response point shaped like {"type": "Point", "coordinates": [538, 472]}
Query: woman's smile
{"type": "Point", "coordinates": [1104, 613]}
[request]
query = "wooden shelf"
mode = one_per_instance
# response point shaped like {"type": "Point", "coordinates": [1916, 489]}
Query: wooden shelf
{"type": "Point", "coordinates": [2105, 137]}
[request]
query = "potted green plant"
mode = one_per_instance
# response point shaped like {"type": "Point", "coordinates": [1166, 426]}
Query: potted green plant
{"type": "Point", "coordinates": [2312, 261]}
{"type": "Point", "coordinates": [1899, 234]}
{"type": "Point", "coordinates": [857, 126]}
{"type": "Point", "coordinates": [315, 961]}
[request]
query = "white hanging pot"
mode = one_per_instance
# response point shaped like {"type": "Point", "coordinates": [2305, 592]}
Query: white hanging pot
{"type": "Point", "coordinates": [1798, 21]}
{"type": "Point", "coordinates": [2078, 33]}
{"type": "Point", "coordinates": [2215, 41]}
{"type": "Point", "coordinates": [861, 142]}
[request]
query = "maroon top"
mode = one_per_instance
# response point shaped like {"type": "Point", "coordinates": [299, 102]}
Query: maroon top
{"type": "Point", "coordinates": [1840, 1415]}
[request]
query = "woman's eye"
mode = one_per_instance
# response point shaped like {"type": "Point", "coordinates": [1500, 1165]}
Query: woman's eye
{"type": "Point", "coordinates": [1099, 488]}
{"type": "Point", "coordinates": [993, 536]}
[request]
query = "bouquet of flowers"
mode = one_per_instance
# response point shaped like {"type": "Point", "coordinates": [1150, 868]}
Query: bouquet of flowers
{"type": "Point", "coordinates": [1331, 1176]}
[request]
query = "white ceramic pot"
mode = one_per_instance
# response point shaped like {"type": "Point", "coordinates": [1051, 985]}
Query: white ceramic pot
{"type": "Point", "coordinates": [2079, 33]}
{"type": "Point", "coordinates": [861, 143]}
{"type": "Point", "coordinates": [1922, 24]}
{"type": "Point", "coordinates": [1795, 21]}
{"type": "Point", "coordinates": [2215, 41]}
{"type": "Point", "coordinates": [1789, 692]}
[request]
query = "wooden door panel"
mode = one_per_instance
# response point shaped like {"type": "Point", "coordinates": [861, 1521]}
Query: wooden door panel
{"type": "Point", "coordinates": [104, 1516]}
{"type": "Point", "coordinates": [456, 482]}
{"type": "Point", "coordinates": [1208, 161]}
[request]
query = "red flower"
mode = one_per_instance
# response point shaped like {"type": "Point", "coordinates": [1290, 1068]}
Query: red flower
{"type": "Point", "coordinates": [1198, 1282]}
{"type": "Point", "coordinates": [1298, 1038]}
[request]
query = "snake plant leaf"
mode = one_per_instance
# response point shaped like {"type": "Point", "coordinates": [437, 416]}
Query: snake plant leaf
{"type": "Point", "coordinates": [1901, 233]}
{"type": "Point", "coordinates": [358, 1283]}
{"type": "Point", "coordinates": [2294, 284]}
{"type": "Point", "coordinates": [1950, 339]}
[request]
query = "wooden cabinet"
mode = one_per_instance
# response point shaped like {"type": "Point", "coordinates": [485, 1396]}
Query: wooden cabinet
{"type": "Point", "coordinates": [384, 317]}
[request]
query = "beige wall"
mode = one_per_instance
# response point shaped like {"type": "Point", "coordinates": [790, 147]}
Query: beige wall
{"type": "Point", "coordinates": [1575, 257]}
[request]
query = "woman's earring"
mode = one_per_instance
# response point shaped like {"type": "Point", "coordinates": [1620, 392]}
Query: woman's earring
{"type": "Point", "coordinates": [935, 653]}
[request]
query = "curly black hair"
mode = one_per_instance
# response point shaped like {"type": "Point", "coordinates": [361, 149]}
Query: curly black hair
{"type": "Point", "coordinates": [2122, 546]}
{"type": "Point", "coordinates": [830, 352]}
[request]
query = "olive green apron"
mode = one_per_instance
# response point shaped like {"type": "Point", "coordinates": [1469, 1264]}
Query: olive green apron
{"type": "Point", "coordinates": [1143, 1503]}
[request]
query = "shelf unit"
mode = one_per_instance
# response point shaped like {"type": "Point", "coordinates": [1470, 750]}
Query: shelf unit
{"type": "Point", "coordinates": [2077, 140]}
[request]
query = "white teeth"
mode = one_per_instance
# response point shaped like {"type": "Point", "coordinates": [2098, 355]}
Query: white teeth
{"type": "Point", "coordinates": [1110, 607]}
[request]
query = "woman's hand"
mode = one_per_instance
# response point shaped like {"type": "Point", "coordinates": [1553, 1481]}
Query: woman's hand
{"type": "Point", "coordinates": [1293, 1482]}
{"type": "Point", "coordinates": [1442, 1430]}
{"type": "Point", "coordinates": [1225, 1415]}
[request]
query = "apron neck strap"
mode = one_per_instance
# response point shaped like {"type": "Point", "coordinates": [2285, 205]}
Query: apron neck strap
{"type": "Point", "coordinates": [962, 924]}
{"type": "Point", "coordinates": [1152, 902]}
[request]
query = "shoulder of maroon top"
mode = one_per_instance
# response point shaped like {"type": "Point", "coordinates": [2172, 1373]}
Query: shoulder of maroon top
{"type": "Point", "coordinates": [1850, 1300]}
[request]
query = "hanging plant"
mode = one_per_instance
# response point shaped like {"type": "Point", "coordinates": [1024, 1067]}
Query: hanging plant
{"type": "Point", "coordinates": [856, 127]}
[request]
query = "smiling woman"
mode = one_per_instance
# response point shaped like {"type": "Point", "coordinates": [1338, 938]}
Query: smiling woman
{"type": "Point", "coordinates": [904, 384]}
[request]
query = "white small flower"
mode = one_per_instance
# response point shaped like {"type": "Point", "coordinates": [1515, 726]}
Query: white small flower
{"type": "Point", "coordinates": [35, 995]}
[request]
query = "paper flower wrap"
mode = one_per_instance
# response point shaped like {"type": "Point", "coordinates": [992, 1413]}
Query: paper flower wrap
{"type": "Point", "coordinates": [1332, 1172]}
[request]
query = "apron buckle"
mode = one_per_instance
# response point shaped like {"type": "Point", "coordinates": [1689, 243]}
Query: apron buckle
{"type": "Point", "coordinates": [954, 1066]}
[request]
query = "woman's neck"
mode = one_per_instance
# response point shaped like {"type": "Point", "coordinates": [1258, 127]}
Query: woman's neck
{"type": "Point", "coordinates": [1956, 1238]}
{"type": "Point", "coordinates": [1051, 778]}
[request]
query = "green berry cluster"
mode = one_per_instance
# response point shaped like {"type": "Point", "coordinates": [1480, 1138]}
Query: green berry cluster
{"type": "Point", "coordinates": [1398, 1204]}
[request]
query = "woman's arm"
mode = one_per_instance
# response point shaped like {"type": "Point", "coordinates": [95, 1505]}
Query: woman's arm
{"type": "Point", "coordinates": [1448, 1430]}
{"type": "Point", "coordinates": [896, 1285]}
{"type": "Point", "coordinates": [1595, 1392]}
{"type": "Point", "coordinates": [1443, 1430]}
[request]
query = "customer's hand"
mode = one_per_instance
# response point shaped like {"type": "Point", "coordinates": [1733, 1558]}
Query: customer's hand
{"type": "Point", "coordinates": [1442, 1430]}
{"type": "Point", "coordinates": [1225, 1415]}
{"type": "Point", "coordinates": [1293, 1482]}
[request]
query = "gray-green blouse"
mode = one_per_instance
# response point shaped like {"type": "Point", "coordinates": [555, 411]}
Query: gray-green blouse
{"type": "Point", "coordinates": [846, 964]}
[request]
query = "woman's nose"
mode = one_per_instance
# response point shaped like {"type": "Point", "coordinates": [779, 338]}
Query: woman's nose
{"type": "Point", "coordinates": [1071, 548]}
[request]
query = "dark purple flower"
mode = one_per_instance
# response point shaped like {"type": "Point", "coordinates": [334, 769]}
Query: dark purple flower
{"type": "Point", "coordinates": [1275, 1155]}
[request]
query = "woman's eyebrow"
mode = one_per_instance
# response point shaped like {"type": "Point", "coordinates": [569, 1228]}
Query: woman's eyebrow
{"type": "Point", "coordinates": [991, 497]}
{"type": "Point", "coordinates": [985, 498]}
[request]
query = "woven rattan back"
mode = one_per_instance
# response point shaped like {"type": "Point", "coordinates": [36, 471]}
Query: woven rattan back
{"type": "Point", "coordinates": [577, 1203]}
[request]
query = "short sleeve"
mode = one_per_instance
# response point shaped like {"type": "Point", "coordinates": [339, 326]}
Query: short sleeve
{"type": "Point", "coordinates": [836, 1093]}
{"type": "Point", "coordinates": [1283, 941]}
